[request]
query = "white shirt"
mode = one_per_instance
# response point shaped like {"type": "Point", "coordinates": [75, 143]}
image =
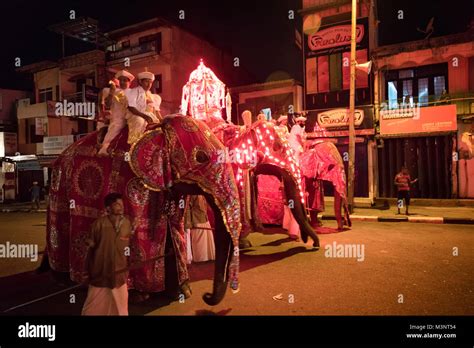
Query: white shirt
{"type": "Point", "coordinates": [136, 98]}
{"type": "Point", "coordinates": [297, 134]}
{"type": "Point", "coordinates": [118, 108]}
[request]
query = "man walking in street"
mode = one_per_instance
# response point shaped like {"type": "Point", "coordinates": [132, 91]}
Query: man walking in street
{"type": "Point", "coordinates": [108, 244]}
{"type": "Point", "coordinates": [403, 182]}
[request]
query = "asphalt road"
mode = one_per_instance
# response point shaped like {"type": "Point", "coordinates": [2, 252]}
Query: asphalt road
{"type": "Point", "coordinates": [405, 269]}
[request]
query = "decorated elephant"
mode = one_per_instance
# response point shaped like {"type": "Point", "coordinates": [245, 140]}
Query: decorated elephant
{"type": "Point", "coordinates": [261, 150]}
{"type": "Point", "coordinates": [177, 158]}
{"type": "Point", "coordinates": [322, 162]}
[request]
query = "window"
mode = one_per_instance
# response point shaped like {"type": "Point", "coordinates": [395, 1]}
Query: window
{"type": "Point", "coordinates": [323, 74]}
{"type": "Point", "coordinates": [417, 85]}
{"type": "Point", "coordinates": [335, 72]}
{"type": "Point", "coordinates": [423, 91]}
{"type": "Point", "coordinates": [439, 85]}
{"type": "Point", "coordinates": [311, 76]}
{"type": "Point", "coordinates": [407, 92]}
{"type": "Point", "coordinates": [152, 41]}
{"type": "Point", "coordinates": [125, 44]}
{"type": "Point", "coordinates": [30, 132]}
{"type": "Point", "coordinates": [45, 94]}
{"type": "Point", "coordinates": [392, 94]}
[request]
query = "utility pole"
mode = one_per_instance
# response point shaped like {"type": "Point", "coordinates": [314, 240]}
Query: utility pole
{"type": "Point", "coordinates": [350, 177]}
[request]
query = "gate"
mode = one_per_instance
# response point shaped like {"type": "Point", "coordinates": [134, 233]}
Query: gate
{"type": "Point", "coordinates": [427, 158]}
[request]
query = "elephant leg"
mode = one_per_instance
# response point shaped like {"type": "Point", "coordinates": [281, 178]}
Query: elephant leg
{"type": "Point", "coordinates": [292, 193]}
{"type": "Point", "coordinates": [337, 210]}
{"type": "Point", "coordinates": [171, 272]}
{"type": "Point", "coordinates": [314, 218]}
{"type": "Point", "coordinates": [256, 221]}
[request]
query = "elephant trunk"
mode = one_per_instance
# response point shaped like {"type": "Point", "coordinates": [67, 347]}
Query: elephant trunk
{"type": "Point", "coordinates": [292, 192]}
{"type": "Point", "coordinates": [224, 250]}
{"type": "Point", "coordinates": [298, 210]}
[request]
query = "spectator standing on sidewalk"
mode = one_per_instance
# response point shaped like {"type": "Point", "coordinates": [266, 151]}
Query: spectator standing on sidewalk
{"type": "Point", "coordinates": [35, 195]}
{"type": "Point", "coordinates": [403, 181]}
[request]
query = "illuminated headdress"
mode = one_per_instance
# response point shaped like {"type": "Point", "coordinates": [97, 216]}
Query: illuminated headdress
{"type": "Point", "coordinates": [204, 94]}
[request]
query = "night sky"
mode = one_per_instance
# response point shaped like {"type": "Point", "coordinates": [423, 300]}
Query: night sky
{"type": "Point", "coordinates": [258, 32]}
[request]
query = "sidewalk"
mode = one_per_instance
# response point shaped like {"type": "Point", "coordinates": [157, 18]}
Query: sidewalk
{"type": "Point", "coordinates": [21, 207]}
{"type": "Point", "coordinates": [424, 214]}
{"type": "Point", "coordinates": [418, 213]}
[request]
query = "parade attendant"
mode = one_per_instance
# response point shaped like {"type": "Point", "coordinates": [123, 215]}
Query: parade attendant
{"type": "Point", "coordinates": [143, 106]}
{"type": "Point", "coordinates": [247, 118]}
{"type": "Point", "coordinates": [115, 100]}
{"type": "Point", "coordinates": [200, 239]}
{"type": "Point", "coordinates": [298, 136]}
{"type": "Point", "coordinates": [281, 127]}
{"type": "Point", "coordinates": [296, 139]}
{"type": "Point", "coordinates": [403, 181]}
{"type": "Point", "coordinates": [108, 243]}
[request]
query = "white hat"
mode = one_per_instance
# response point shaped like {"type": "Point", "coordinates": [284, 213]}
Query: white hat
{"type": "Point", "coordinates": [282, 118]}
{"type": "Point", "coordinates": [125, 74]}
{"type": "Point", "coordinates": [300, 118]}
{"type": "Point", "coordinates": [146, 75]}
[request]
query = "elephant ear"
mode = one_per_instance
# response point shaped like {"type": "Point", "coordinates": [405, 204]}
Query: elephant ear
{"type": "Point", "coordinates": [149, 160]}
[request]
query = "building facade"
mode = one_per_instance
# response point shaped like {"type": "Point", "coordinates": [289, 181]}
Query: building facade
{"type": "Point", "coordinates": [426, 107]}
{"type": "Point", "coordinates": [326, 56]}
{"type": "Point", "coordinates": [9, 100]}
{"type": "Point", "coordinates": [45, 128]}
{"type": "Point", "coordinates": [171, 53]}
{"type": "Point", "coordinates": [275, 98]}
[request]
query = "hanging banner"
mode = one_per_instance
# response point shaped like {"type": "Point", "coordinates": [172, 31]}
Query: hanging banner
{"type": "Point", "coordinates": [429, 119]}
{"type": "Point", "coordinates": [56, 145]}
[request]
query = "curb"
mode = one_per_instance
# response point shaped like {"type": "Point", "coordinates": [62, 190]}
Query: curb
{"type": "Point", "coordinates": [6, 210]}
{"type": "Point", "coordinates": [413, 219]}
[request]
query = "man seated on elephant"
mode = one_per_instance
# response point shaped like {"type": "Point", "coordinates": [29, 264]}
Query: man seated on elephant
{"type": "Point", "coordinates": [143, 106]}
{"type": "Point", "coordinates": [115, 100]}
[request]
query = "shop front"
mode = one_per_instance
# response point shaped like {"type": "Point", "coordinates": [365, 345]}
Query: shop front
{"type": "Point", "coordinates": [332, 125]}
{"type": "Point", "coordinates": [424, 140]}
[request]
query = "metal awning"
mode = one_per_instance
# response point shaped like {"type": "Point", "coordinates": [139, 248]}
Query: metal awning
{"type": "Point", "coordinates": [85, 29]}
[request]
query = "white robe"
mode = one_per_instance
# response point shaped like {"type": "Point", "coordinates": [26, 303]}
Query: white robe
{"type": "Point", "coordinates": [118, 112]}
{"type": "Point", "coordinates": [137, 98]}
{"type": "Point", "coordinates": [105, 301]}
{"type": "Point", "coordinates": [200, 242]}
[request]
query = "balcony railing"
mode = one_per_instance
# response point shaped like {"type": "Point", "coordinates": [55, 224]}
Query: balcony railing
{"type": "Point", "coordinates": [146, 47]}
{"type": "Point", "coordinates": [464, 102]}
